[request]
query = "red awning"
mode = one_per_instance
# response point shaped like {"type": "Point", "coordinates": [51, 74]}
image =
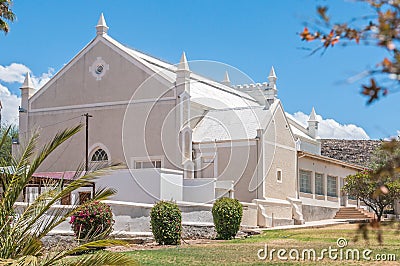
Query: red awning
{"type": "Point", "coordinates": [68, 175]}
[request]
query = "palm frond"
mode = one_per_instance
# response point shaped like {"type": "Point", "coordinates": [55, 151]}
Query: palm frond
{"type": "Point", "coordinates": [16, 181]}
{"type": "Point", "coordinates": [32, 219]}
{"type": "Point", "coordinates": [23, 225]}
{"type": "Point", "coordinates": [48, 148]}
{"type": "Point", "coordinates": [101, 258]}
{"type": "Point", "coordinates": [93, 245]}
{"type": "Point", "coordinates": [103, 243]}
{"type": "Point", "coordinates": [4, 137]}
{"type": "Point", "coordinates": [21, 261]}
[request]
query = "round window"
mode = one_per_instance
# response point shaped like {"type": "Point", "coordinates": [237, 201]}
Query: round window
{"type": "Point", "coordinates": [99, 69]}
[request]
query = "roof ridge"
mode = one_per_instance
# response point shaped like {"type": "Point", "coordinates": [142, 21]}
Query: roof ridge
{"type": "Point", "coordinates": [195, 76]}
{"type": "Point", "coordinates": [147, 54]}
{"type": "Point", "coordinates": [238, 108]}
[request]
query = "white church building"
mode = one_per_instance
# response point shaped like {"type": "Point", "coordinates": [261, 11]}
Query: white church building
{"type": "Point", "coordinates": [184, 137]}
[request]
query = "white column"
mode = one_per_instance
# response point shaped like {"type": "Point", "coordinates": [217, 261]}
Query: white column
{"type": "Point", "coordinates": [338, 188]}
{"type": "Point", "coordinates": [313, 184]}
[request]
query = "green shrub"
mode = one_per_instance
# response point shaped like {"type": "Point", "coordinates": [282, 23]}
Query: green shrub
{"type": "Point", "coordinates": [166, 223]}
{"type": "Point", "coordinates": [93, 221]}
{"type": "Point", "coordinates": [227, 214]}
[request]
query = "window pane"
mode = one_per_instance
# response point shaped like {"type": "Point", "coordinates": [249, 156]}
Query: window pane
{"type": "Point", "coordinates": [319, 184]}
{"type": "Point", "coordinates": [332, 186]}
{"type": "Point", "coordinates": [279, 175]}
{"type": "Point", "coordinates": [147, 165]}
{"type": "Point", "coordinates": [305, 181]}
{"type": "Point", "coordinates": [99, 155]}
{"type": "Point", "coordinates": [84, 196]}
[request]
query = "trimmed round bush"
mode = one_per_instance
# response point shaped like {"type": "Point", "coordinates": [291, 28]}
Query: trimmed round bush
{"type": "Point", "coordinates": [94, 220]}
{"type": "Point", "coordinates": [227, 214]}
{"type": "Point", "coordinates": [166, 223]}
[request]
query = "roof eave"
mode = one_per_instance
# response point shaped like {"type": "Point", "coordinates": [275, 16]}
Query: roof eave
{"type": "Point", "coordinates": [330, 160]}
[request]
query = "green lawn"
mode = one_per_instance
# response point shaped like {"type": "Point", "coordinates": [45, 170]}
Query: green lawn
{"type": "Point", "coordinates": [244, 251]}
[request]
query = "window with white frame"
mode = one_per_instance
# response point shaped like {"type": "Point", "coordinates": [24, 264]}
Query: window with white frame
{"type": "Point", "coordinates": [279, 175]}
{"type": "Point", "coordinates": [147, 164]}
{"type": "Point", "coordinates": [305, 181]}
{"type": "Point", "coordinates": [319, 184]}
{"type": "Point", "coordinates": [332, 186]}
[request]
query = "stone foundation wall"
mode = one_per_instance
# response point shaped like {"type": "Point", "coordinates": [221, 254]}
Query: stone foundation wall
{"type": "Point", "coordinates": [315, 213]}
{"type": "Point", "coordinates": [61, 241]}
{"type": "Point", "coordinates": [198, 231]}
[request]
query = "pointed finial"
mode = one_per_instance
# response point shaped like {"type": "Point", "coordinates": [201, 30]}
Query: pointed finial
{"type": "Point", "coordinates": [101, 27]}
{"type": "Point", "coordinates": [183, 64]}
{"type": "Point", "coordinates": [272, 74]}
{"type": "Point", "coordinates": [27, 82]}
{"type": "Point", "coordinates": [226, 80]}
{"type": "Point", "coordinates": [272, 81]}
{"type": "Point", "coordinates": [313, 115]}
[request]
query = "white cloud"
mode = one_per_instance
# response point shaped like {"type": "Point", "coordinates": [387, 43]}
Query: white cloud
{"type": "Point", "coordinates": [331, 129]}
{"type": "Point", "coordinates": [38, 82]}
{"type": "Point", "coordinates": [13, 73]}
{"type": "Point", "coordinates": [394, 136]}
{"type": "Point", "coordinates": [10, 103]}
{"type": "Point", "coordinates": [16, 72]}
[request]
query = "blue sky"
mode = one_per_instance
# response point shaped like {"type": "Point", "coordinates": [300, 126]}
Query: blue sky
{"type": "Point", "coordinates": [249, 35]}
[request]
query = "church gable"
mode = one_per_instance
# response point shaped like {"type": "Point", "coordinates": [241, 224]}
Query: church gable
{"type": "Point", "coordinates": [100, 74]}
{"type": "Point", "coordinates": [284, 134]}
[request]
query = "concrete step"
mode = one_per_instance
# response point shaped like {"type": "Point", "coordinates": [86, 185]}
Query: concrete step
{"type": "Point", "coordinates": [353, 213]}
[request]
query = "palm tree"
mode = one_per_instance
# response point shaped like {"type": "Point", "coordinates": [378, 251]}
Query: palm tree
{"type": "Point", "coordinates": [21, 230]}
{"type": "Point", "coordinates": [6, 14]}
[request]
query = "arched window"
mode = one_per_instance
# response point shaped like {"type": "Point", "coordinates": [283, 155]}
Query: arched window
{"type": "Point", "coordinates": [99, 155]}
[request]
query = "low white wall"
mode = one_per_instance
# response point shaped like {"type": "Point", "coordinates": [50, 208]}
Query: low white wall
{"type": "Point", "coordinates": [135, 217]}
{"type": "Point", "coordinates": [200, 190]}
{"type": "Point", "coordinates": [143, 185]}
{"type": "Point", "coordinates": [274, 212]}
{"type": "Point", "coordinates": [171, 187]}
{"type": "Point", "coordinates": [64, 226]}
{"type": "Point", "coordinates": [249, 214]}
{"type": "Point", "coordinates": [279, 209]}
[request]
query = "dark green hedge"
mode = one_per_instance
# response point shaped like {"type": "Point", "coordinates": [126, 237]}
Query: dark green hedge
{"type": "Point", "coordinates": [227, 214]}
{"type": "Point", "coordinates": [166, 223]}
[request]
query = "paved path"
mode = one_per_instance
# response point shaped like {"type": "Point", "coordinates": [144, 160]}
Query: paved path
{"type": "Point", "coordinates": [313, 224]}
